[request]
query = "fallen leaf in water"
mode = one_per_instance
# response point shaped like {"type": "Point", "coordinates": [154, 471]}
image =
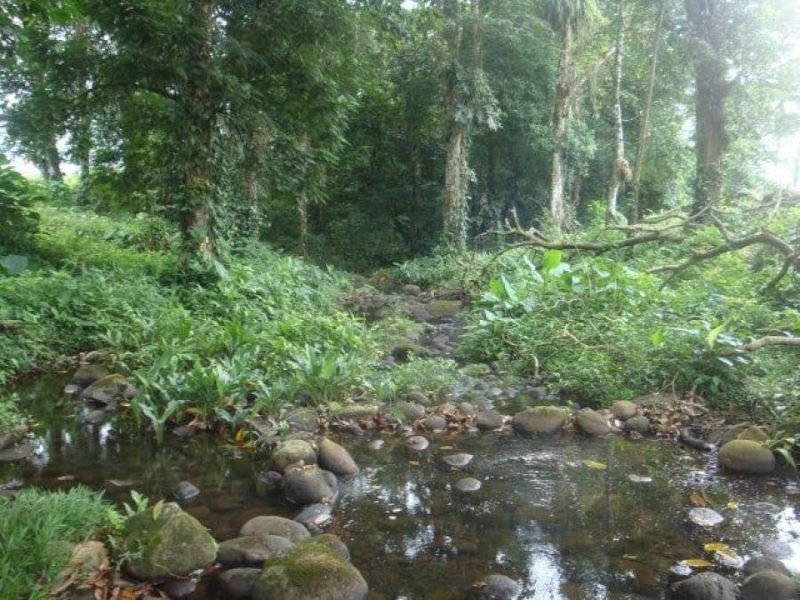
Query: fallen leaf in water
{"type": "Point", "coordinates": [593, 464]}
{"type": "Point", "coordinates": [445, 447]}
{"type": "Point", "coordinates": [697, 499]}
{"type": "Point", "coordinates": [630, 557]}
{"type": "Point", "coordinates": [716, 547]}
{"type": "Point", "coordinates": [413, 463]}
{"type": "Point", "coordinates": [696, 563]}
{"type": "Point", "coordinates": [640, 478]}
{"type": "Point", "coordinates": [732, 505]}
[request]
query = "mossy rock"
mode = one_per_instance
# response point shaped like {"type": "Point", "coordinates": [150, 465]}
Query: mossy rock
{"type": "Point", "coordinates": [540, 420]}
{"type": "Point", "coordinates": [87, 374]}
{"type": "Point", "coordinates": [745, 456]}
{"type": "Point", "coordinates": [109, 388]}
{"type": "Point", "coordinates": [293, 452]}
{"type": "Point", "coordinates": [310, 571]}
{"type": "Point", "coordinates": [165, 541]}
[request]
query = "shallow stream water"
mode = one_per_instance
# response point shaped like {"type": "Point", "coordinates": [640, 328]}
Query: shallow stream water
{"type": "Point", "coordinates": [563, 529]}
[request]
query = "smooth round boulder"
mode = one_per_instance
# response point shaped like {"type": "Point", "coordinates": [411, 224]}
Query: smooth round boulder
{"type": "Point", "coordinates": [592, 423]}
{"type": "Point", "coordinates": [293, 452]}
{"type": "Point", "coordinates": [457, 461]}
{"type": "Point", "coordinates": [335, 458]}
{"type": "Point", "coordinates": [435, 423]}
{"type": "Point", "coordinates": [769, 584]}
{"type": "Point", "coordinates": [468, 485]}
{"type": "Point", "coordinates": [310, 485]}
{"type": "Point", "coordinates": [745, 456]}
{"type": "Point", "coordinates": [251, 550]}
{"type": "Point", "coordinates": [310, 571]}
{"type": "Point", "coordinates": [408, 411]}
{"type": "Point", "coordinates": [705, 586]}
{"type": "Point", "coordinates": [238, 584]}
{"type": "Point", "coordinates": [624, 409]}
{"type": "Point", "coordinates": [488, 420]}
{"type": "Point", "coordinates": [542, 420]}
{"type": "Point", "coordinates": [495, 587]}
{"type": "Point", "coordinates": [87, 374]}
{"type": "Point", "coordinates": [315, 517]}
{"type": "Point", "coordinates": [165, 541]}
{"type": "Point", "coordinates": [108, 389]}
{"type": "Point", "coordinates": [418, 397]}
{"type": "Point", "coordinates": [640, 424]}
{"type": "Point", "coordinates": [334, 543]}
{"type": "Point", "coordinates": [274, 526]}
{"type": "Point", "coordinates": [764, 563]}
{"type": "Point", "coordinates": [417, 443]}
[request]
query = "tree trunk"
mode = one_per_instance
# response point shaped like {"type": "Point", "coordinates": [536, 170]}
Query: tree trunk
{"type": "Point", "coordinates": [454, 235]}
{"type": "Point", "coordinates": [619, 169]}
{"type": "Point", "coordinates": [197, 227]}
{"type": "Point", "coordinates": [558, 211]}
{"type": "Point", "coordinates": [711, 91]}
{"type": "Point", "coordinates": [644, 129]}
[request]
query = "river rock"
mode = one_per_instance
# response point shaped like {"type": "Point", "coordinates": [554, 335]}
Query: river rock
{"type": "Point", "coordinates": [335, 544]}
{"type": "Point", "coordinates": [769, 585]}
{"type": "Point", "coordinates": [435, 423]}
{"type": "Point", "coordinates": [417, 443]}
{"type": "Point", "coordinates": [310, 571]}
{"type": "Point", "coordinates": [87, 374]}
{"type": "Point", "coordinates": [754, 433]}
{"type": "Point", "coordinates": [408, 411]}
{"type": "Point", "coordinates": [315, 517]}
{"type": "Point", "coordinates": [488, 420]}
{"type": "Point", "coordinates": [411, 289]}
{"type": "Point", "coordinates": [310, 485]}
{"type": "Point", "coordinates": [334, 458]}
{"type": "Point", "coordinates": [592, 423]}
{"type": "Point", "coordinates": [540, 420]}
{"type": "Point", "coordinates": [764, 563]}
{"type": "Point", "coordinates": [705, 517]}
{"type": "Point", "coordinates": [251, 550]}
{"type": "Point", "coordinates": [458, 461]}
{"type": "Point", "coordinates": [165, 541]}
{"type": "Point", "coordinates": [238, 584]}
{"type": "Point", "coordinates": [705, 586]}
{"type": "Point", "coordinates": [467, 409]}
{"type": "Point", "coordinates": [15, 453]}
{"type": "Point", "coordinates": [108, 389]}
{"type": "Point", "coordinates": [624, 409]}
{"type": "Point", "coordinates": [179, 587]}
{"type": "Point", "coordinates": [186, 491]}
{"type": "Point", "coordinates": [356, 412]}
{"type": "Point", "coordinates": [745, 456]}
{"type": "Point", "coordinates": [495, 587]}
{"type": "Point", "coordinates": [468, 485]}
{"type": "Point", "coordinates": [639, 424]}
{"type": "Point", "coordinates": [417, 397]}
{"type": "Point", "coordinates": [274, 526]}
{"type": "Point", "coordinates": [293, 452]}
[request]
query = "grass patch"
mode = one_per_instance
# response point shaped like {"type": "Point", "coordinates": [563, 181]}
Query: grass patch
{"type": "Point", "coordinates": [35, 532]}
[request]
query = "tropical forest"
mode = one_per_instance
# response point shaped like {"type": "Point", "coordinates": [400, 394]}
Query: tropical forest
{"type": "Point", "coordinates": [399, 299]}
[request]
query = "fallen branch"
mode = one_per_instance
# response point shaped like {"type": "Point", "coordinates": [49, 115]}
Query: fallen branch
{"type": "Point", "coordinates": [768, 340]}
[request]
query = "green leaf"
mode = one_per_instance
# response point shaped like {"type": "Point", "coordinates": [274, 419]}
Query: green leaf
{"type": "Point", "coordinates": [711, 338]}
{"type": "Point", "coordinates": [657, 338]}
{"type": "Point", "coordinates": [551, 259]}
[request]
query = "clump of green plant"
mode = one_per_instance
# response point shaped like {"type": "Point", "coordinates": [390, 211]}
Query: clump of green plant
{"type": "Point", "coordinates": [18, 219]}
{"type": "Point", "coordinates": [10, 416]}
{"type": "Point", "coordinates": [440, 269]}
{"type": "Point", "coordinates": [36, 529]}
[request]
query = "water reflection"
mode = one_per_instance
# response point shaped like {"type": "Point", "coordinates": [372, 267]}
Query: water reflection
{"type": "Point", "coordinates": [542, 517]}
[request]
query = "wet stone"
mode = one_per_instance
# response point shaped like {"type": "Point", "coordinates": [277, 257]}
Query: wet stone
{"type": "Point", "coordinates": [495, 587]}
{"type": "Point", "coordinates": [705, 517]}
{"type": "Point", "coordinates": [639, 424]}
{"type": "Point", "coordinates": [624, 409]}
{"type": "Point", "coordinates": [458, 461]}
{"type": "Point", "coordinates": [468, 485]}
{"type": "Point", "coordinates": [776, 549]}
{"type": "Point", "coordinates": [466, 409]}
{"type": "Point", "coordinates": [769, 584]}
{"type": "Point", "coordinates": [237, 584]}
{"type": "Point", "coordinates": [376, 444]}
{"type": "Point", "coordinates": [303, 419]}
{"type": "Point", "coordinates": [417, 443]}
{"type": "Point", "coordinates": [335, 458]}
{"type": "Point", "coordinates": [409, 411]}
{"type": "Point", "coordinates": [418, 397]}
{"type": "Point", "coordinates": [271, 480]}
{"type": "Point", "coordinates": [310, 485]}
{"type": "Point", "coordinates": [705, 586]}
{"type": "Point", "coordinates": [179, 587]}
{"type": "Point", "coordinates": [246, 551]}
{"type": "Point", "coordinates": [488, 420]}
{"type": "Point", "coordinates": [270, 525]}
{"type": "Point", "coordinates": [592, 423]}
{"type": "Point", "coordinates": [185, 491]}
{"type": "Point", "coordinates": [764, 563]}
{"type": "Point", "coordinates": [315, 517]}
{"type": "Point", "coordinates": [435, 423]}
{"type": "Point", "coordinates": [293, 452]}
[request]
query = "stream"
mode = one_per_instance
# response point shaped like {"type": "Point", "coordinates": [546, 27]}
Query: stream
{"type": "Point", "coordinates": [562, 529]}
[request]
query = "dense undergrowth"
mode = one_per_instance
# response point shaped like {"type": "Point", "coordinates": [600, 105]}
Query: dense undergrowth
{"type": "Point", "coordinates": [610, 325]}
{"type": "Point", "coordinates": [36, 531]}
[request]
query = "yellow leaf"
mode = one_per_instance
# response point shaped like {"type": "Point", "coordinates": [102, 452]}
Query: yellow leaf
{"type": "Point", "coordinates": [413, 463]}
{"type": "Point", "coordinates": [716, 547]}
{"type": "Point", "coordinates": [240, 435]}
{"type": "Point", "coordinates": [445, 447]}
{"type": "Point", "coordinates": [732, 505]}
{"type": "Point", "coordinates": [728, 553]}
{"type": "Point", "coordinates": [593, 464]}
{"type": "Point", "coordinates": [630, 557]}
{"type": "Point", "coordinates": [696, 563]}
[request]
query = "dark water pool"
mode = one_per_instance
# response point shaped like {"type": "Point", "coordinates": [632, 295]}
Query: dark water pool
{"type": "Point", "coordinates": [563, 529]}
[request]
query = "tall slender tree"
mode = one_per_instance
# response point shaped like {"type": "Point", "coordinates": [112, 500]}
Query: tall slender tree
{"type": "Point", "coordinates": [620, 170]}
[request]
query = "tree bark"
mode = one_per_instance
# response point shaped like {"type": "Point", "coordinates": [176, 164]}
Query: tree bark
{"type": "Point", "coordinates": [644, 128]}
{"type": "Point", "coordinates": [198, 127]}
{"type": "Point", "coordinates": [563, 81]}
{"type": "Point", "coordinates": [620, 170]}
{"type": "Point", "coordinates": [454, 235]}
{"type": "Point", "coordinates": [711, 91]}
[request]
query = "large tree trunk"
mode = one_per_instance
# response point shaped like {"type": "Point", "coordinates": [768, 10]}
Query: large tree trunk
{"type": "Point", "coordinates": [454, 234]}
{"type": "Point", "coordinates": [558, 211]}
{"type": "Point", "coordinates": [197, 227]}
{"type": "Point", "coordinates": [644, 128]}
{"type": "Point", "coordinates": [620, 170]}
{"type": "Point", "coordinates": [711, 90]}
